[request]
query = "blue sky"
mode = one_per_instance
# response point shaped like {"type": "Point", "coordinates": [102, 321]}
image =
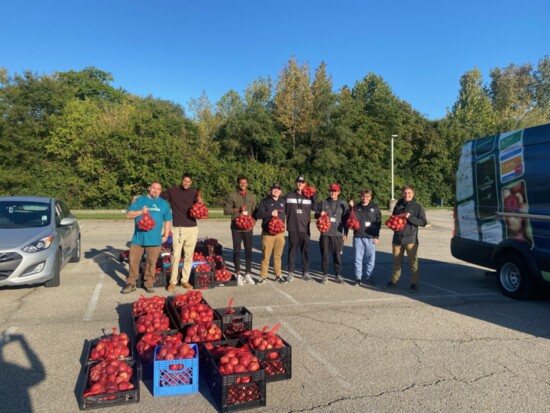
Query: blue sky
{"type": "Point", "coordinates": [174, 50]}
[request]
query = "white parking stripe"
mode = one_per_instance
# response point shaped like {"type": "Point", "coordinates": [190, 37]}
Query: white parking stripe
{"type": "Point", "coordinates": [95, 296]}
{"type": "Point", "coordinates": [333, 371]}
{"type": "Point", "coordinates": [288, 296]}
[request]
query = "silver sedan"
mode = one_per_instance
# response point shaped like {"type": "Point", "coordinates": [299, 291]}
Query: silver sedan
{"type": "Point", "coordinates": [38, 236]}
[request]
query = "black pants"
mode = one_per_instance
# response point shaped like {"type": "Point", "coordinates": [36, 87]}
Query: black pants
{"type": "Point", "coordinates": [246, 239]}
{"type": "Point", "coordinates": [331, 245]}
{"type": "Point", "coordinates": [298, 239]}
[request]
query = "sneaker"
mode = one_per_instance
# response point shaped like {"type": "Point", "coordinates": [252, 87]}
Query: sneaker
{"type": "Point", "coordinates": [370, 282]}
{"type": "Point", "coordinates": [339, 279]}
{"type": "Point", "coordinates": [280, 280]}
{"type": "Point", "coordinates": [260, 281]}
{"type": "Point", "coordinates": [248, 279]}
{"type": "Point", "coordinates": [413, 288]}
{"type": "Point", "coordinates": [150, 290]}
{"type": "Point", "coordinates": [357, 282]}
{"type": "Point", "coordinates": [324, 280]}
{"type": "Point", "coordinates": [290, 277]}
{"type": "Point", "coordinates": [171, 287]}
{"type": "Point", "coordinates": [240, 280]}
{"type": "Point", "coordinates": [187, 285]}
{"type": "Point", "coordinates": [306, 277]}
{"type": "Point", "coordinates": [389, 286]}
{"type": "Point", "coordinates": [128, 289]}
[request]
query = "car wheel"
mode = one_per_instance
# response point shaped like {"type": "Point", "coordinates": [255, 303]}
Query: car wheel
{"type": "Point", "coordinates": [513, 277]}
{"type": "Point", "coordinates": [76, 256]}
{"type": "Point", "coordinates": [56, 279]}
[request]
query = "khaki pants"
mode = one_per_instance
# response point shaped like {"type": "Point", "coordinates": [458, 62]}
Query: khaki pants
{"type": "Point", "coordinates": [152, 253]}
{"type": "Point", "coordinates": [186, 238]}
{"type": "Point", "coordinates": [272, 244]}
{"type": "Point", "coordinates": [412, 254]}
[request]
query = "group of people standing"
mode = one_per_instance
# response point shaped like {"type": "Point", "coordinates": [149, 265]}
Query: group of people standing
{"type": "Point", "coordinates": [295, 209]}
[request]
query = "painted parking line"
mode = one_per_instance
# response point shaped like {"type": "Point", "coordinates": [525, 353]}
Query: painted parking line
{"type": "Point", "coordinates": [95, 296]}
{"type": "Point", "coordinates": [284, 294]}
{"type": "Point", "coordinates": [333, 371]}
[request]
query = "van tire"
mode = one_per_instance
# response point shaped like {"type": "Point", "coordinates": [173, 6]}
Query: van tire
{"type": "Point", "coordinates": [513, 277]}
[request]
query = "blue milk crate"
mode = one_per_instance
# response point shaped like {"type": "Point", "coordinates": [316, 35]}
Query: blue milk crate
{"type": "Point", "coordinates": [168, 382]}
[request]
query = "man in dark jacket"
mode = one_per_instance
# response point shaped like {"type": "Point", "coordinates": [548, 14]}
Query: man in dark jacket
{"type": "Point", "coordinates": [407, 239]}
{"type": "Point", "coordinates": [332, 242]}
{"type": "Point", "coordinates": [365, 238]}
{"type": "Point", "coordinates": [184, 231]}
{"type": "Point", "coordinates": [272, 206]}
{"type": "Point", "coordinates": [241, 201]}
{"type": "Point", "coordinates": [298, 218]}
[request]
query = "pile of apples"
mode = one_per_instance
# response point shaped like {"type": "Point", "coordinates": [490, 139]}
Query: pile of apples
{"type": "Point", "coordinates": [146, 223]}
{"type": "Point", "coordinates": [146, 305]}
{"type": "Point", "coordinates": [205, 331]}
{"type": "Point", "coordinates": [146, 345]}
{"type": "Point", "coordinates": [109, 376]}
{"type": "Point", "coordinates": [190, 297]}
{"type": "Point", "coordinates": [396, 222]}
{"type": "Point", "coordinates": [175, 351]}
{"type": "Point", "coordinates": [203, 268]}
{"type": "Point", "coordinates": [237, 360]}
{"type": "Point", "coordinates": [309, 191]}
{"type": "Point", "coordinates": [352, 222]}
{"type": "Point", "coordinates": [196, 313]}
{"type": "Point", "coordinates": [276, 226]}
{"type": "Point", "coordinates": [115, 346]}
{"type": "Point", "coordinates": [323, 223]}
{"type": "Point", "coordinates": [198, 257]}
{"type": "Point", "coordinates": [198, 210]}
{"type": "Point", "coordinates": [222, 275]}
{"type": "Point", "coordinates": [244, 222]}
{"type": "Point", "coordinates": [153, 321]}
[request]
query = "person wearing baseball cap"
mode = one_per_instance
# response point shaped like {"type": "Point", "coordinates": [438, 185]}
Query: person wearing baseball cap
{"type": "Point", "coordinates": [271, 206]}
{"type": "Point", "coordinates": [332, 242]}
{"type": "Point", "coordinates": [298, 218]}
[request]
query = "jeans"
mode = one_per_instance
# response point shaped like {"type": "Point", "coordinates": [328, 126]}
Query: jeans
{"type": "Point", "coordinates": [365, 254]}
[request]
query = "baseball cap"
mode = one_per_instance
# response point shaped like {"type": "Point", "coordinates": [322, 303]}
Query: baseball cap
{"type": "Point", "coordinates": [301, 179]}
{"type": "Point", "coordinates": [275, 185]}
{"type": "Point", "coordinates": [334, 187]}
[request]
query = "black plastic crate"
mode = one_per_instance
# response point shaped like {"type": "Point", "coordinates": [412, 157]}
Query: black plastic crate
{"type": "Point", "coordinates": [202, 280]}
{"type": "Point", "coordinates": [174, 314]}
{"type": "Point", "coordinates": [205, 349]}
{"type": "Point", "coordinates": [111, 399]}
{"type": "Point", "coordinates": [162, 278]}
{"type": "Point", "coordinates": [231, 283]}
{"type": "Point", "coordinates": [231, 396]}
{"type": "Point", "coordinates": [90, 344]}
{"type": "Point", "coordinates": [277, 362]}
{"type": "Point", "coordinates": [234, 324]}
{"type": "Point", "coordinates": [207, 250]}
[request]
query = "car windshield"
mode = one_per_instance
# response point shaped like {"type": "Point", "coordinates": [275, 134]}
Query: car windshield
{"type": "Point", "coordinates": [20, 214]}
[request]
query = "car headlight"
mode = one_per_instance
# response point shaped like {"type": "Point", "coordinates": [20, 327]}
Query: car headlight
{"type": "Point", "coordinates": [40, 245]}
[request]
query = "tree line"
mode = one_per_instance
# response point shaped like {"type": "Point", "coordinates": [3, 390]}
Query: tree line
{"type": "Point", "coordinates": [73, 135]}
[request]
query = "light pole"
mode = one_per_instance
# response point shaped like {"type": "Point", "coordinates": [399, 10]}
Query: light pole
{"type": "Point", "coordinates": [392, 201]}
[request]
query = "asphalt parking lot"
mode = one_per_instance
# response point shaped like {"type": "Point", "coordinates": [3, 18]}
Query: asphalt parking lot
{"type": "Point", "coordinates": [456, 346]}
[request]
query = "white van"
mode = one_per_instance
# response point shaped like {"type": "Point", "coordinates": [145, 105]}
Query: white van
{"type": "Point", "coordinates": [502, 212]}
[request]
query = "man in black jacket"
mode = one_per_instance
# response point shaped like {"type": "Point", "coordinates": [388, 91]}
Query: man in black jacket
{"type": "Point", "coordinates": [365, 238]}
{"type": "Point", "coordinates": [298, 218]}
{"type": "Point", "coordinates": [407, 239]}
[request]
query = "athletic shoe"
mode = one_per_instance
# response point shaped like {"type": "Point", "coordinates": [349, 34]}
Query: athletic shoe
{"type": "Point", "coordinates": [325, 279]}
{"type": "Point", "coordinates": [128, 289]}
{"type": "Point", "coordinates": [357, 282]}
{"type": "Point", "coordinates": [413, 288]}
{"type": "Point", "coordinates": [280, 280]}
{"type": "Point", "coordinates": [260, 281]}
{"type": "Point", "coordinates": [150, 290]}
{"type": "Point", "coordinates": [290, 277]}
{"type": "Point", "coordinates": [339, 279]}
{"type": "Point", "coordinates": [370, 282]}
{"type": "Point", "coordinates": [248, 279]}
{"type": "Point", "coordinates": [240, 280]}
{"type": "Point", "coordinates": [306, 277]}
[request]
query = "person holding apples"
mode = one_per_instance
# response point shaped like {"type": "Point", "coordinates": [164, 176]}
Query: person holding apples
{"type": "Point", "coordinates": [272, 213]}
{"type": "Point", "coordinates": [239, 204]}
{"type": "Point", "coordinates": [365, 237]}
{"type": "Point", "coordinates": [298, 218]}
{"type": "Point", "coordinates": [148, 239]}
{"type": "Point", "coordinates": [332, 241]}
{"type": "Point", "coordinates": [406, 240]}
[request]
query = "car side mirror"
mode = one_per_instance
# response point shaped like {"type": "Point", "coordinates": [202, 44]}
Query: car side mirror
{"type": "Point", "coordinates": [65, 222]}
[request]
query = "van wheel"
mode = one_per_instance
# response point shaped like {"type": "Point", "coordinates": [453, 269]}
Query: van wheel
{"type": "Point", "coordinates": [513, 277]}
